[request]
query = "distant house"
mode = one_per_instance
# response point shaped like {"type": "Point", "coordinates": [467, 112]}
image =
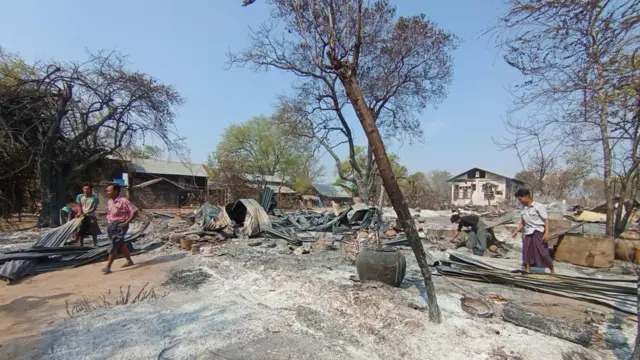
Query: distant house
{"type": "Point", "coordinates": [247, 186]}
{"type": "Point", "coordinates": [285, 196]}
{"type": "Point", "coordinates": [278, 184]}
{"type": "Point", "coordinates": [482, 187]}
{"type": "Point", "coordinates": [328, 193]}
{"type": "Point", "coordinates": [166, 183]}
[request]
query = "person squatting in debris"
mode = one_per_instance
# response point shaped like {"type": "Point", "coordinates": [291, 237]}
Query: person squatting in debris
{"type": "Point", "coordinates": [87, 204]}
{"type": "Point", "coordinates": [477, 238]}
{"type": "Point", "coordinates": [535, 222]}
{"type": "Point", "coordinates": [120, 212]}
{"type": "Point", "coordinates": [67, 213]}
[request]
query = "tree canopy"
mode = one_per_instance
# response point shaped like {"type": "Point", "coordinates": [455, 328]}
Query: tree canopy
{"type": "Point", "coordinates": [261, 148]}
{"type": "Point", "coordinates": [580, 61]}
{"type": "Point", "coordinates": [404, 64]}
{"type": "Point", "coordinates": [70, 115]}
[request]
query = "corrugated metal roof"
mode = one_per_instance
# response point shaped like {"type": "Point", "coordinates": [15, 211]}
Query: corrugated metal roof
{"type": "Point", "coordinates": [155, 181]}
{"type": "Point", "coordinates": [486, 171]}
{"type": "Point", "coordinates": [165, 167]}
{"type": "Point", "coordinates": [266, 178]}
{"type": "Point", "coordinates": [277, 188]}
{"type": "Point", "coordinates": [333, 191]}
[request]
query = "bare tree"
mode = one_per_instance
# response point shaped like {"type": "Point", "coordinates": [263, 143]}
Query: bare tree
{"type": "Point", "coordinates": [536, 146]}
{"type": "Point", "coordinates": [71, 115]}
{"type": "Point", "coordinates": [402, 67]}
{"type": "Point", "coordinates": [579, 60]}
{"type": "Point", "coordinates": [388, 68]}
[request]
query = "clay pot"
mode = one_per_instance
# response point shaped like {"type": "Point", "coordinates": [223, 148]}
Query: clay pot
{"type": "Point", "coordinates": [385, 265]}
{"type": "Point", "coordinates": [186, 244]}
{"type": "Point", "coordinates": [195, 249]}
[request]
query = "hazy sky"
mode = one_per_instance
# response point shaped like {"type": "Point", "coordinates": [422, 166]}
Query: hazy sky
{"type": "Point", "coordinates": [184, 44]}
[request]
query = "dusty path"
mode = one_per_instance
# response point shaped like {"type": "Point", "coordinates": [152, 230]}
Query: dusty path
{"type": "Point", "coordinates": [35, 304]}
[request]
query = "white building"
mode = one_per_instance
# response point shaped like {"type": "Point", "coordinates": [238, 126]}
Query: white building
{"type": "Point", "coordinates": [481, 187]}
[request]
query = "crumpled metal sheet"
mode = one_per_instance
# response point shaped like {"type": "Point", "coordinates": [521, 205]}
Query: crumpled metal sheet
{"type": "Point", "coordinates": [58, 236]}
{"type": "Point", "coordinates": [16, 269]}
{"type": "Point", "coordinates": [251, 214]}
{"type": "Point", "coordinates": [209, 214]}
{"type": "Point", "coordinates": [57, 257]}
{"type": "Point", "coordinates": [267, 196]}
{"type": "Point", "coordinates": [363, 218]}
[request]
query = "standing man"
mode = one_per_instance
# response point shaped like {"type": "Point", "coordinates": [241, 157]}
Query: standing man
{"type": "Point", "coordinates": [120, 212]}
{"type": "Point", "coordinates": [87, 204]}
{"type": "Point", "coordinates": [477, 239]}
{"type": "Point", "coordinates": [535, 222]}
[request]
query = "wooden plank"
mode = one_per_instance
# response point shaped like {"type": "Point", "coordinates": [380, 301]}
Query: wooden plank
{"type": "Point", "coordinates": [586, 250]}
{"type": "Point", "coordinates": [547, 325]}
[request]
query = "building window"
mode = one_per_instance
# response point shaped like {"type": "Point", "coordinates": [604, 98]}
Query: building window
{"type": "Point", "coordinates": [473, 187]}
{"type": "Point", "coordinates": [456, 189]}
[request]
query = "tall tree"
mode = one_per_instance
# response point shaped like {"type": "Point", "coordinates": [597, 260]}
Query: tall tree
{"type": "Point", "coordinates": [419, 192]}
{"type": "Point", "coordinates": [17, 167]}
{"type": "Point", "coordinates": [374, 181]}
{"type": "Point", "coordinates": [262, 148]}
{"type": "Point", "coordinates": [579, 58]}
{"type": "Point", "coordinates": [387, 67]}
{"type": "Point", "coordinates": [146, 152]}
{"type": "Point", "coordinates": [439, 183]}
{"type": "Point", "coordinates": [403, 66]}
{"type": "Point", "coordinates": [72, 115]}
{"type": "Point", "coordinates": [593, 189]}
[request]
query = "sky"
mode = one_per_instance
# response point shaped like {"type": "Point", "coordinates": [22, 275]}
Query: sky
{"type": "Point", "coordinates": [185, 44]}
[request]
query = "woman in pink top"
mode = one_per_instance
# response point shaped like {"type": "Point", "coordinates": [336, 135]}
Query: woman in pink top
{"type": "Point", "coordinates": [120, 212]}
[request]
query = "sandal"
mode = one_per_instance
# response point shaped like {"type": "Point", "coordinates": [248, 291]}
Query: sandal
{"type": "Point", "coordinates": [106, 271]}
{"type": "Point", "coordinates": [128, 264]}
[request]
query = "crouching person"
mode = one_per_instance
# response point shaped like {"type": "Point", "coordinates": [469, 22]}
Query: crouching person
{"type": "Point", "coordinates": [477, 239]}
{"type": "Point", "coordinates": [120, 212]}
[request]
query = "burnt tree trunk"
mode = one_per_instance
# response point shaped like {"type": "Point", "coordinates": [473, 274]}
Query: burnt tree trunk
{"type": "Point", "coordinates": [52, 192]}
{"type": "Point", "coordinates": [365, 115]}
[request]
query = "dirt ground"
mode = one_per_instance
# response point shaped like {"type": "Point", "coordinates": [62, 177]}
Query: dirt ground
{"type": "Point", "coordinates": [266, 303]}
{"type": "Point", "coordinates": [33, 305]}
{"type": "Point", "coordinates": [18, 223]}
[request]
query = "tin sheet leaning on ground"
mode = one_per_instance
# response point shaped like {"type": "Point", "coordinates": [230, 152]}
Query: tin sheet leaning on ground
{"type": "Point", "coordinates": [49, 254]}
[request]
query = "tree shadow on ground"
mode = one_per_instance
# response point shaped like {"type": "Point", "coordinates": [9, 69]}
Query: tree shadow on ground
{"type": "Point", "coordinates": [30, 302]}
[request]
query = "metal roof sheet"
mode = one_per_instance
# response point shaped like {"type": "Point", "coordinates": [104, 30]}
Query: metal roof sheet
{"type": "Point", "coordinates": [165, 167]}
{"type": "Point", "coordinates": [157, 180]}
{"type": "Point", "coordinates": [333, 191]}
{"type": "Point", "coordinates": [265, 178]}
{"type": "Point", "coordinates": [486, 171]}
{"type": "Point", "coordinates": [277, 188]}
